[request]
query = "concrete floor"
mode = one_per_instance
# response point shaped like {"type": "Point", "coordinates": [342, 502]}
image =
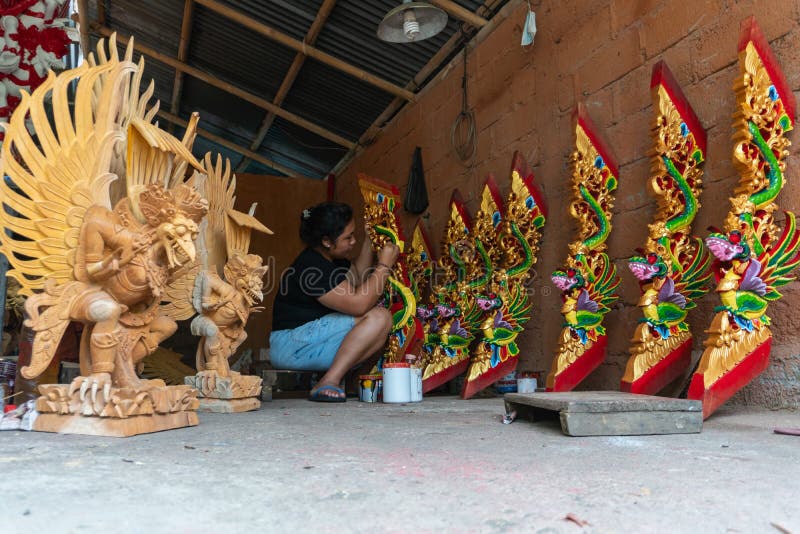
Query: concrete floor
{"type": "Point", "coordinates": [443, 465]}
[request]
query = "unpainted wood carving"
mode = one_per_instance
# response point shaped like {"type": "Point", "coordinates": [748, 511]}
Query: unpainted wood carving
{"type": "Point", "coordinates": [100, 222]}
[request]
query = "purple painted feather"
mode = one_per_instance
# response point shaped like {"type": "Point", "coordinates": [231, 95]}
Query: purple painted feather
{"type": "Point", "coordinates": [584, 303]}
{"type": "Point", "coordinates": [668, 294]}
{"type": "Point", "coordinates": [434, 326]}
{"type": "Point", "coordinates": [499, 322]}
{"type": "Point", "coordinates": [751, 281]}
{"type": "Point", "coordinates": [456, 329]}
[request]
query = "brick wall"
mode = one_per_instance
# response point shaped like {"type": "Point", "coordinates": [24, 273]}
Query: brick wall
{"type": "Point", "coordinates": [600, 52]}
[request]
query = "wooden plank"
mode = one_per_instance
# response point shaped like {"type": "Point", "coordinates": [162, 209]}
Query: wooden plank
{"type": "Point", "coordinates": [228, 144]}
{"type": "Point", "coordinates": [611, 413]}
{"type": "Point", "coordinates": [183, 52]}
{"type": "Point", "coordinates": [83, 22]}
{"type": "Point", "coordinates": [306, 49]}
{"type": "Point", "coordinates": [311, 37]}
{"type": "Point", "coordinates": [461, 13]}
{"type": "Point", "coordinates": [230, 88]}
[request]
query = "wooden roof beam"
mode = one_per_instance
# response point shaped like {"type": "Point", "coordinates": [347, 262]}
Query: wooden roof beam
{"type": "Point", "coordinates": [232, 89]}
{"type": "Point", "coordinates": [183, 52]}
{"type": "Point", "coordinates": [83, 22]}
{"type": "Point", "coordinates": [460, 13]}
{"type": "Point", "coordinates": [228, 144]}
{"type": "Point", "coordinates": [306, 49]}
{"type": "Point", "coordinates": [291, 75]}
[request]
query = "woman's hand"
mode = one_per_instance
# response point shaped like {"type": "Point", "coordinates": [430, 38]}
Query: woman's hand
{"type": "Point", "coordinates": [388, 254]}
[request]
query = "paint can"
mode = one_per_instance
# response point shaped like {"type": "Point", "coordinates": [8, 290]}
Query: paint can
{"type": "Point", "coordinates": [507, 384]}
{"type": "Point", "coordinates": [369, 388]}
{"type": "Point", "coordinates": [396, 382]}
{"type": "Point", "coordinates": [416, 384]}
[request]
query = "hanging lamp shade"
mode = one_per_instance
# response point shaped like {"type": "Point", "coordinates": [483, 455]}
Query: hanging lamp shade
{"type": "Point", "coordinates": [411, 22]}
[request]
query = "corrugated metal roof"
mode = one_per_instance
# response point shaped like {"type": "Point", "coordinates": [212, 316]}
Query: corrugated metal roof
{"type": "Point", "coordinates": [325, 96]}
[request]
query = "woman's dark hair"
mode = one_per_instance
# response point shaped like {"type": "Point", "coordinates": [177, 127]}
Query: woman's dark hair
{"type": "Point", "coordinates": [324, 220]}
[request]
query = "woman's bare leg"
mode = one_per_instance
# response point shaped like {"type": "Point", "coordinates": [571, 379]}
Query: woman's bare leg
{"type": "Point", "coordinates": [367, 336]}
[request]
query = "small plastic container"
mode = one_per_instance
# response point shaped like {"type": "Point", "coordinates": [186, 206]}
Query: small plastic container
{"type": "Point", "coordinates": [396, 382]}
{"type": "Point", "coordinates": [527, 381]}
{"type": "Point", "coordinates": [416, 384]}
{"type": "Point", "coordinates": [370, 388]}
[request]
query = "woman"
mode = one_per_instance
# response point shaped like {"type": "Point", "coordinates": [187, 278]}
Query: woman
{"type": "Point", "coordinates": [324, 317]}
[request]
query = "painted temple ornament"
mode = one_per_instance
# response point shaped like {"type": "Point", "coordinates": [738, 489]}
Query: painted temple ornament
{"type": "Point", "coordinates": [450, 318]}
{"type": "Point", "coordinates": [753, 255]}
{"type": "Point", "coordinates": [674, 268]}
{"type": "Point", "coordinates": [506, 242]}
{"type": "Point", "coordinates": [381, 202]}
{"type": "Point", "coordinates": [589, 279]}
{"type": "Point", "coordinates": [479, 301]}
{"type": "Point", "coordinates": [95, 234]}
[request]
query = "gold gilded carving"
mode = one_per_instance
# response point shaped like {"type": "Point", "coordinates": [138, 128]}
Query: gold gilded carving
{"type": "Point", "coordinates": [589, 278]}
{"type": "Point", "coordinates": [755, 257]}
{"type": "Point", "coordinates": [674, 268]}
{"type": "Point", "coordinates": [381, 201]}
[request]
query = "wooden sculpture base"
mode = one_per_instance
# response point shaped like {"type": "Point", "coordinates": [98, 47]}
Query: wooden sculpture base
{"type": "Point", "coordinates": [230, 394]}
{"type": "Point", "coordinates": [444, 376]}
{"type": "Point", "coordinates": [489, 377]}
{"type": "Point", "coordinates": [150, 407]}
{"type": "Point", "coordinates": [732, 381]}
{"type": "Point", "coordinates": [115, 428]}
{"type": "Point", "coordinates": [672, 366]}
{"type": "Point", "coordinates": [574, 373]}
{"type": "Point", "coordinates": [229, 405]}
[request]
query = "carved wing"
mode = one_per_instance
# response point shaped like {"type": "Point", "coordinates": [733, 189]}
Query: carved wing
{"type": "Point", "coordinates": [604, 282]}
{"type": "Point", "coordinates": [62, 169]}
{"type": "Point", "coordinates": [694, 280]}
{"type": "Point", "coordinates": [781, 258]}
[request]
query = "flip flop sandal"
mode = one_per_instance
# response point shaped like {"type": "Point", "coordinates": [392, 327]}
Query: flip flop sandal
{"type": "Point", "coordinates": [318, 397]}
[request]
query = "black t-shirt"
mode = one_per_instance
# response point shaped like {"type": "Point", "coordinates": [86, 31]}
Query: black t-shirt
{"type": "Point", "coordinates": [308, 278]}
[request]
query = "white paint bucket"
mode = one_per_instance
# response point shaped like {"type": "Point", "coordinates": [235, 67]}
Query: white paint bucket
{"type": "Point", "coordinates": [396, 382]}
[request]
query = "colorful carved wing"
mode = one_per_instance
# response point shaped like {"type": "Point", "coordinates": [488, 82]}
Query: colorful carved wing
{"type": "Point", "coordinates": [56, 174]}
{"type": "Point", "coordinates": [602, 282]}
{"type": "Point", "coordinates": [456, 241]}
{"type": "Point", "coordinates": [486, 227]}
{"type": "Point", "coordinates": [381, 202]}
{"type": "Point", "coordinates": [781, 259]}
{"type": "Point", "coordinates": [588, 268]}
{"type": "Point", "coordinates": [420, 261]}
{"type": "Point", "coordinates": [693, 278]}
{"type": "Point", "coordinates": [739, 338]}
{"type": "Point", "coordinates": [524, 220]}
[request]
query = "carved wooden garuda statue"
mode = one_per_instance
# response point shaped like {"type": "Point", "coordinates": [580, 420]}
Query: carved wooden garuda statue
{"type": "Point", "coordinates": [99, 219]}
{"type": "Point", "coordinates": [224, 303]}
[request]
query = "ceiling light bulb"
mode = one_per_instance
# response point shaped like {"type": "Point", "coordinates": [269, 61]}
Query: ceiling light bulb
{"type": "Point", "coordinates": [410, 25]}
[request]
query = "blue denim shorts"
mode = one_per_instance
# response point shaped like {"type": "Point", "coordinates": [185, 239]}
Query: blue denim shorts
{"type": "Point", "coordinates": [312, 346]}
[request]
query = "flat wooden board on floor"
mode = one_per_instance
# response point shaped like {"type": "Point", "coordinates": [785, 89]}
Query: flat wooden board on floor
{"type": "Point", "coordinates": [610, 413]}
